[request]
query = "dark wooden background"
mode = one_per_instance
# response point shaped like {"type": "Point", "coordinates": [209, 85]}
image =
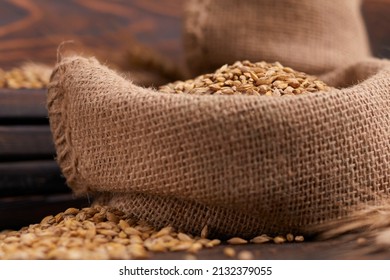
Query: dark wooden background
{"type": "Point", "coordinates": [32, 29]}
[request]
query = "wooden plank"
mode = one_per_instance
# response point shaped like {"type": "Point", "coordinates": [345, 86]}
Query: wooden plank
{"type": "Point", "coordinates": [22, 104]}
{"type": "Point", "coordinates": [17, 212]}
{"type": "Point", "coordinates": [31, 177]}
{"type": "Point", "coordinates": [25, 141]}
{"type": "Point", "coordinates": [33, 29]}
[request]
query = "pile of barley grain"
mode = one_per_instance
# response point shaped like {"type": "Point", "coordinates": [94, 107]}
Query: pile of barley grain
{"type": "Point", "coordinates": [106, 233]}
{"type": "Point", "coordinates": [29, 75]}
{"type": "Point", "coordinates": [248, 78]}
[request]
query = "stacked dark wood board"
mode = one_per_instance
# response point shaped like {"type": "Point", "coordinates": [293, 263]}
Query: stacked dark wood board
{"type": "Point", "coordinates": [31, 184]}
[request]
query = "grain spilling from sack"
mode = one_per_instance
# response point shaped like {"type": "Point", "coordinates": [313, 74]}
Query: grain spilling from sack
{"type": "Point", "coordinates": [242, 165]}
{"type": "Point", "coordinates": [98, 233]}
{"type": "Point", "coordinates": [260, 78]}
{"type": "Point", "coordinates": [29, 75]}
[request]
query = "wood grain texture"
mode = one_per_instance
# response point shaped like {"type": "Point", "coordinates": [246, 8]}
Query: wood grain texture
{"type": "Point", "coordinates": [26, 142]}
{"type": "Point", "coordinates": [32, 29]}
{"type": "Point", "coordinates": [31, 178]}
{"type": "Point", "coordinates": [20, 211]}
{"type": "Point", "coordinates": [23, 105]}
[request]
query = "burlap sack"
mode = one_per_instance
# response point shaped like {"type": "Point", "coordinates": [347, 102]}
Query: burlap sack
{"type": "Point", "coordinates": [243, 165]}
{"type": "Point", "coordinates": [313, 36]}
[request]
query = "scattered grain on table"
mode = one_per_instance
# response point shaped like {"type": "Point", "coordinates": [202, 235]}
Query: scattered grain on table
{"type": "Point", "coordinates": [106, 233]}
{"type": "Point", "coordinates": [28, 76]}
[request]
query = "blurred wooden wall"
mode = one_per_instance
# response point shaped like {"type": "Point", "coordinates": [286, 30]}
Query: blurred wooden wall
{"type": "Point", "coordinates": [32, 29]}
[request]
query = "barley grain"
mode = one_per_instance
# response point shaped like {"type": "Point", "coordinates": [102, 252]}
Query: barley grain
{"type": "Point", "coordinates": [299, 238]}
{"type": "Point", "coordinates": [290, 237]}
{"type": "Point", "coordinates": [185, 245]}
{"type": "Point", "coordinates": [229, 252]}
{"type": "Point", "coordinates": [213, 243]}
{"type": "Point", "coordinates": [195, 247]}
{"type": "Point", "coordinates": [245, 255]}
{"type": "Point", "coordinates": [204, 232]}
{"type": "Point", "coordinates": [237, 241]}
{"type": "Point", "coordinates": [361, 241]}
{"type": "Point", "coordinates": [29, 75]}
{"type": "Point", "coordinates": [279, 240]}
{"type": "Point", "coordinates": [102, 233]}
{"type": "Point", "coordinates": [249, 79]}
{"type": "Point", "coordinates": [261, 239]}
{"type": "Point", "coordinates": [190, 257]}
{"type": "Point", "coordinates": [183, 237]}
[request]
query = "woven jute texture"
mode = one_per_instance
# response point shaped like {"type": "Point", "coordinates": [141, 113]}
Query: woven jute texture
{"type": "Point", "coordinates": [243, 165]}
{"type": "Point", "coordinates": [313, 36]}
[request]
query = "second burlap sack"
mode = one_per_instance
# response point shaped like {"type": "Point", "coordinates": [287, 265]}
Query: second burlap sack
{"type": "Point", "coordinates": [243, 165]}
{"type": "Point", "coordinates": [313, 36]}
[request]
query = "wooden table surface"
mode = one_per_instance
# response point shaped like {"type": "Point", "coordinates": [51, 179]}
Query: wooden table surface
{"type": "Point", "coordinates": [31, 31]}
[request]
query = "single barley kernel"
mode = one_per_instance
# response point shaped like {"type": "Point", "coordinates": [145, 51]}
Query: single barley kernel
{"type": "Point", "coordinates": [155, 247]}
{"type": "Point", "coordinates": [361, 241]}
{"type": "Point", "coordinates": [195, 247]}
{"type": "Point", "coordinates": [91, 233]}
{"type": "Point", "coordinates": [71, 211]}
{"type": "Point", "coordinates": [59, 217]}
{"type": "Point", "coordinates": [183, 237]}
{"type": "Point", "coordinates": [163, 231]}
{"type": "Point", "coordinates": [186, 245]}
{"type": "Point", "coordinates": [229, 252]}
{"type": "Point", "coordinates": [261, 239]}
{"type": "Point", "coordinates": [47, 220]}
{"type": "Point", "coordinates": [135, 239]}
{"type": "Point", "coordinates": [279, 239]}
{"type": "Point", "coordinates": [123, 224]}
{"type": "Point", "coordinates": [107, 232]}
{"type": "Point", "coordinates": [189, 257]}
{"type": "Point", "coordinates": [299, 238]}
{"type": "Point", "coordinates": [137, 251]}
{"type": "Point", "coordinates": [203, 241]}
{"type": "Point", "coordinates": [237, 241]}
{"type": "Point", "coordinates": [213, 243]}
{"type": "Point", "coordinates": [81, 216]}
{"type": "Point", "coordinates": [132, 231]}
{"type": "Point", "coordinates": [245, 255]}
{"type": "Point", "coordinates": [290, 237]}
{"type": "Point", "coordinates": [105, 225]}
{"type": "Point", "coordinates": [204, 232]}
{"type": "Point", "coordinates": [122, 234]}
{"type": "Point", "coordinates": [112, 217]}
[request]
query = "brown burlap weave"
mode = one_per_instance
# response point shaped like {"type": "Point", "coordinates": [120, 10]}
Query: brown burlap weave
{"type": "Point", "coordinates": [243, 165]}
{"type": "Point", "coordinates": [313, 36]}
